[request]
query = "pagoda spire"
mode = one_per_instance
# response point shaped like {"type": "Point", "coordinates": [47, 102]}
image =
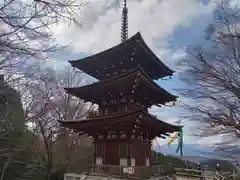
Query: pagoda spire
{"type": "Point", "coordinates": [124, 29]}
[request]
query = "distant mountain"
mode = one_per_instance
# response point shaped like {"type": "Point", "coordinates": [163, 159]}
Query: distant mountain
{"type": "Point", "coordinates": [189, 150]}
{"type": "Point", "coordinates": [195, 153]}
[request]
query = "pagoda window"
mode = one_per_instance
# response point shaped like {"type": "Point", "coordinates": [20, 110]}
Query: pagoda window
{"type": "Point", "coordinates": [123, 150]}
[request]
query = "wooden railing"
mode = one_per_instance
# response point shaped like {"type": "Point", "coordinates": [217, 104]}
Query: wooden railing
{"type": "Point", "coordinates": [131, 172]}
{"type": "Point", "coordinates": [204, 174]}
{"type": "Point", "coordinates": [162, 172]}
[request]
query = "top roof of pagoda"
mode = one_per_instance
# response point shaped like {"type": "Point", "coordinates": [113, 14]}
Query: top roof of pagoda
{"type": "Point", "coordinates": [127, 55]}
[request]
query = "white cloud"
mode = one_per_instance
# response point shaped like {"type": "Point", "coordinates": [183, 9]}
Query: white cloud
{"type": "Point", "coordinates": [235, 3]}
{"type": "Point", "coordinates": [155, 19]}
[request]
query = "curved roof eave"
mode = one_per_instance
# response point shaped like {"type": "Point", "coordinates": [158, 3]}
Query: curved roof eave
{"type": "Point", "coordinates": [135, 37]}
{"type": "Point", "coordinates": [155, 85]}
{"type": "Point", "coordinates": [122, 115]}
{"type": "Point", "coordinates": [85, 59]}
{"type": "Point", "coordinates": [151, 53]}
{"type": "Point", "coordinates": [128, 73]}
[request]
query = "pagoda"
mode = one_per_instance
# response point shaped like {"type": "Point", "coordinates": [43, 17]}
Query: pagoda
{"type": "Point", "coordinates": [123, 129]}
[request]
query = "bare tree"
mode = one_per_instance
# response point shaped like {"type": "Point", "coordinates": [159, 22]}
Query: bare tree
{"type": "Point", "coordinates": [14, 142]}
{"type": "Point", "coordinates": [46, 103]}
{"type": "Point", "coordinates": [26, 26]}
{"type": "Point", "coordinates": [26, 35]}
{"type": "Point", "coordinates": [212, 75]}
{"type": "Point", "coordinates": [27, 32]}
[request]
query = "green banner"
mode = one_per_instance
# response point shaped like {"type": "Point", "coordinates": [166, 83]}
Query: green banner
{"type": "Point", "coordinates": [180, 143]}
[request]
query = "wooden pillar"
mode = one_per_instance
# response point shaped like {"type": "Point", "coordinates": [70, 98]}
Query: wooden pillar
{"type": "Point", "coordinates": [128, 152]}
{"type": "Point", "coordinates": [104, 152]}
{"type": "Point", "coordinates": [150, 152]}
{"type": "Point", "coordinates": [132, 151]}
{"type": "Point", "coordinates": [94, 151]}
{"type": "Point", "coordinates": [123, 151]}
{"type": "Point", "coordinates": [98, 151]}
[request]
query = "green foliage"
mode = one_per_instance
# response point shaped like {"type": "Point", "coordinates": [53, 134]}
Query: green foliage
{"type": "Point", "coordinates": [16, 157]}
{"type": "Point", "coordinates": [58, 174]}
{"type": "Point", "coordinates": [11, 107]}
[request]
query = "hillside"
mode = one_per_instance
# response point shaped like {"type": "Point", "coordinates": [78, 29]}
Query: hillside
{"type": "Point", "coordinates": [195, 150]}
{"type": "Point", "coordinates": [194, 153]}
{"type": "Point", "coordinates": [199, 152]}
{"type": "Point", "coordinates": [160, 159]}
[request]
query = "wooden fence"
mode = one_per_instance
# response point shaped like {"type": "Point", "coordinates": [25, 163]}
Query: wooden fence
{"type": "Point", "coordinates": [145, 173]}
{"type": "Point", "coordinates": [204, 174]}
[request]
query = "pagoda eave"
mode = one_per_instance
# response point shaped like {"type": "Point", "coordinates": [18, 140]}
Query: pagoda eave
{"type": "Point", "coordinates": [128, 55]}
{"type": "Point", "coordinates": [123, 121]}
{"type": "Point", "coordinates": [131, 82]}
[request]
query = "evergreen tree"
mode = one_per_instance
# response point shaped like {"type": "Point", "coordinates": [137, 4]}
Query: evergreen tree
{"type": "Point", "coordinates": [16, 155]}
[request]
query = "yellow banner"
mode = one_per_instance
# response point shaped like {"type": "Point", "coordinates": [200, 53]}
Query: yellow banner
{"type": "Point", "coordinates": [173, 138]}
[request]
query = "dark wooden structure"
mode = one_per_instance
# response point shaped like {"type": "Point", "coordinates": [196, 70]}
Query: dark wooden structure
{"type": "Point", "coordinates": [123, 128]}
{"type": "Point", "coordinates": [130, 54]}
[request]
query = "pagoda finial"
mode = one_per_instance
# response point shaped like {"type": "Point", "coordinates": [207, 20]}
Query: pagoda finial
{"type": "Point", "coordinates": [124, 30]}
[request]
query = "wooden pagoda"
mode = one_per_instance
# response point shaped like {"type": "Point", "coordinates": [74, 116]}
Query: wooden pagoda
{"type": "Point", "coordinates": [123, 129]}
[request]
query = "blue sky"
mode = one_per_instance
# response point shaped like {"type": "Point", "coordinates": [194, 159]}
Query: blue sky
{"type": "Point", "coordinates": [167, 26]}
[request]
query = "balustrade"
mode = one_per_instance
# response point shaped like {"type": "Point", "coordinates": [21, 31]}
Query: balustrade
{"type": "Point", "coordinates": [134, 172]}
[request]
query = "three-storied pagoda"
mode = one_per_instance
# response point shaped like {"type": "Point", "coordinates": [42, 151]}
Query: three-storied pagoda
{"type": "Point", "coordinates": [123, 128]}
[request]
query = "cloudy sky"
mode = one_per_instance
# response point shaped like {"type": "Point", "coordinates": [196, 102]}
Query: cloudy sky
{"type": "Point", "coordinates": [167, 26]}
